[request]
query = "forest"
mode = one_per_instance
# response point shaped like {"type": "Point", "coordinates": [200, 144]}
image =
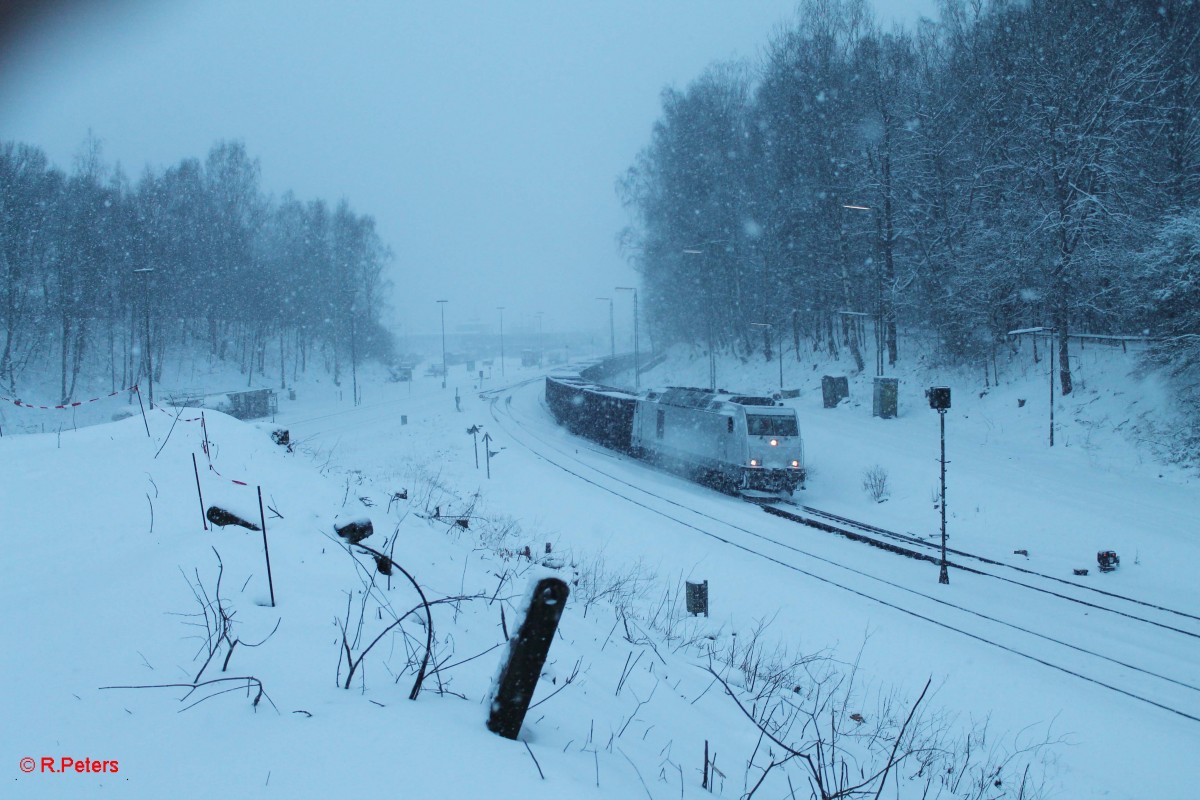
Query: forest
{"type": "Point", "coordinates": [99, 273]}
{"type": "Point", "coordinates": [1012, 165]}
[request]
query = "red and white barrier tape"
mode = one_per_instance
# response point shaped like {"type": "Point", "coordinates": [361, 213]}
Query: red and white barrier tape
{"type": "Point", "coordinates": [181, 419]}
{"type": "Point", "coordinates": [65, 406]}
{"type": "Point", "coordinates": [222, 477]}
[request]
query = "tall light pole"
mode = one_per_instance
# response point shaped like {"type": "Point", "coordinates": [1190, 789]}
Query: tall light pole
{"type": "Point", "coordinates": [779, 347]}
{"type": "Point", "coordinates": [612, 329]}
{"type": "Point", "coordinates": [879, 334]}
{"type": "Point", "coordinates": [501, 310]}
{"type": "Point", "coordinates": [442, 306]}
{"type": "Point", "coordinates": [712, 356]}
{"type": "Point", "coordinates": [637, 366]}
{"type": "Point", "coordinates": [541, 349]}
{"type": "Point", "coordinates": [148, 271]}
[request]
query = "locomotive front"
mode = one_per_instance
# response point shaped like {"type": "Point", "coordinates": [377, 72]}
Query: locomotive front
{"type": "Point", "coordinates": [774, 449]}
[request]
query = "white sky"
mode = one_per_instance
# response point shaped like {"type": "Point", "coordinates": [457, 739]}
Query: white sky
{"type": "Point", "coordinates": [484, 137]}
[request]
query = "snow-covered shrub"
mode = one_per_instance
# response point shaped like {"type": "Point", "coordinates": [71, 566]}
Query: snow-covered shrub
{"type": "Point", "coordinates": [875, 483]}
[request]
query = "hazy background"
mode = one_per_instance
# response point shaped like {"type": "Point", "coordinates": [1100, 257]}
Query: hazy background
{"type": "Point", "coordinates": [485, 137]}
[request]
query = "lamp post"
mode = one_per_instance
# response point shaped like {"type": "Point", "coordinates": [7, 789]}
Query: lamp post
{"type": "Point", "coordinates": [712, 356]}
{"type": "Point", "coordinates": [637, 367]}
{"type": "Point", "coordinates": [879, 335]}
{"type": "Point", "coordinates": [442, 305]}
{"type": "Point", "coordinates": [148, 271]}
{"type": "Point", "coordinates": [501, 310]}
{"type": "Point", "coordinates": [541, 349]}
{"type": "Point", "coordinates": [612, 330]}
{"type": "Point", "coordinates": [779, 347]}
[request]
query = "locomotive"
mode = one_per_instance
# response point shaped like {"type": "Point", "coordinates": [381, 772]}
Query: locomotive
{"type": "Point", "coordinates": [735, 443]}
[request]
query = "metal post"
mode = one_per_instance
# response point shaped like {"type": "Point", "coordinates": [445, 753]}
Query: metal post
{"type": "Point", "coordinates": [781, 361]}
{"type": "Point", "coordinates": [525, 658]}
{"type": "Point", "coordinates": [541, 347]}
{"type": "Point", "coordinates": [712, 360]}
{"type": "Point", "coordinates": [266, 552]}
{"type": "Point", "coordinates": [501, 310]}
{"type": "Point", "coordinates": [1050, 363]}
{"type": "Point", "coordinates": [943, 576]}
{"type": "Point", "coordinates": [612, 328]}
{"type": "Point", "coordinates": [442, 305]}
{"type": "Point", "coordinates": [149, 351]}
{"type": "Point", "coordinates": [637, 367]}
{"type": "Point", "coordinates": [353, 354]}
{"type": "Point", "coordinates": [712, 357]}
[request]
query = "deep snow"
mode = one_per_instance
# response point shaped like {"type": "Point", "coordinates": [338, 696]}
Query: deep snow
{"type": "Point", "coordinates": [105, 547]}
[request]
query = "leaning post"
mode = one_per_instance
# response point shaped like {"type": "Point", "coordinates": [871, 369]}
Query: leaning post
{"type": "Point", "coordinates": [525, 658]}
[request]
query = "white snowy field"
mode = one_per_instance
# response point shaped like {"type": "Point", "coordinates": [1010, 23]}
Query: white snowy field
{"type": "Point", "coordinates": [106, 554]}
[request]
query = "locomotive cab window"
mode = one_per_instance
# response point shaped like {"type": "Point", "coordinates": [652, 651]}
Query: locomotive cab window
{"type": "Point", "coordinates": [661, 423]}
{"type": "Point", "coordinates": [729, 423]}
{"type": "Point", "coordinates": [764, 425]}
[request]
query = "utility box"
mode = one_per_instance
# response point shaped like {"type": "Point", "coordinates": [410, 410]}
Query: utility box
{"type": "Point", "coordinates": [834, 389]}
{"type": "Point", "coordinates": [885, 398]}
{"type": "Point", "coordinates": [254, 404]}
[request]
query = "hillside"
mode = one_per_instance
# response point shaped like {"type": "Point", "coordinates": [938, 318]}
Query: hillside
{"type": "Point", "coordinates": [111, 571]}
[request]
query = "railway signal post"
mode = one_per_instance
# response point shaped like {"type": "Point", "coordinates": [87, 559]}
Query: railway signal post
{"type": "Point", "coordinates": [939, 401]}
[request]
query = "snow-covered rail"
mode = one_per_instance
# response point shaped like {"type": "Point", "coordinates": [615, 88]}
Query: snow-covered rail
{"type": "Point", "coordinates": [1169, 619]}
{"type": "Point", "coordinates": [1138, 664]}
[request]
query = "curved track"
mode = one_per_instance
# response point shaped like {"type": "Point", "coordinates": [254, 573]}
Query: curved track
{"type": "Point", "coordinates": [1149, 666]}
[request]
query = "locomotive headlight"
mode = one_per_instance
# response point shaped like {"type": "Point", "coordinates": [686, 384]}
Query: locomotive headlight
{"type": "Point", "coordinates": [754, 462]}
{"type": "Point", "coordinates": [795, 463]}
{"type": "Point", "coordinates": [774, 443]}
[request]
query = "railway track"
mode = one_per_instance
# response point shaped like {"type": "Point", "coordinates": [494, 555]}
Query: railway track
{"type": "Point", "coordinates": [1135, 669]}
{"type": "Point", "coordinates": [1159, 616]}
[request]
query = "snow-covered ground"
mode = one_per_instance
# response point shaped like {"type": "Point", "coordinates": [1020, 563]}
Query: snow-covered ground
{"type": "Point", "coordinates": [106, 554]}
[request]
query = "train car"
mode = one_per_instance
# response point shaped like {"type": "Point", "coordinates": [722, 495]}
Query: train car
{"type": "Point", "coordinates": [737, 443]}
{"type": "Point", "coordinates": [594, 411]}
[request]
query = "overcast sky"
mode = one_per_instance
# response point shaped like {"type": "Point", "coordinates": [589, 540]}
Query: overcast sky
{"type": "Point", "coordinates": [484, 137]}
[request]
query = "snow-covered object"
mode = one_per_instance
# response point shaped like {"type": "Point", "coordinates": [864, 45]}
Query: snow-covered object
{"type": "Point", "coordinates": [353, 530]}
{"type": "Point", "coordinates": [516, 678]}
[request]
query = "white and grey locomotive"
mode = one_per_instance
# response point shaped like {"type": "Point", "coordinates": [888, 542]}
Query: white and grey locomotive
{"type": "Point", "coordinates": [736, 443]}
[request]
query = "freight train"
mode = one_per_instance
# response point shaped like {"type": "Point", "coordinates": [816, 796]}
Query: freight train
{"type": "Point", "coordinates": [736, 443]}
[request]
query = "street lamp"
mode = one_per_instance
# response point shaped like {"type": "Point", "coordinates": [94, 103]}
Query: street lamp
{"type": "Point", "coordinates": [879, 334]}
{"type": "Point", "coordinates": [501, 310]}
{"type": "Point", "coordinates": [712, 356]}
{"type": "Point", "coordinates": [779, 347]}
{"type": "Point", "coordinates": [612, 330]}
{"type": "Point", "coordinates": [442, 305]}
{"type": "Point", "coordinates": [541, 349]}
{"type": "Point", "coordinates": [637, 367]}
{"type": "Point", "coordinates": [148, 271]}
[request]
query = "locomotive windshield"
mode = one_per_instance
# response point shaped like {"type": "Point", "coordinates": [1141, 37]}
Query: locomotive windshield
{"type": "Point", "coordinates": [764, 425]}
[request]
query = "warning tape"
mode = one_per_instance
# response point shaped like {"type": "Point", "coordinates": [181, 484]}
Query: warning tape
{"type": "Point", "coordinates": [222, 477]}
{"type": "Point", "coordinates": [181, 419]}
{"type": "Point", "coordinates": [65, 406]}
{"type": "Point", "coordinates": [207, 450]}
